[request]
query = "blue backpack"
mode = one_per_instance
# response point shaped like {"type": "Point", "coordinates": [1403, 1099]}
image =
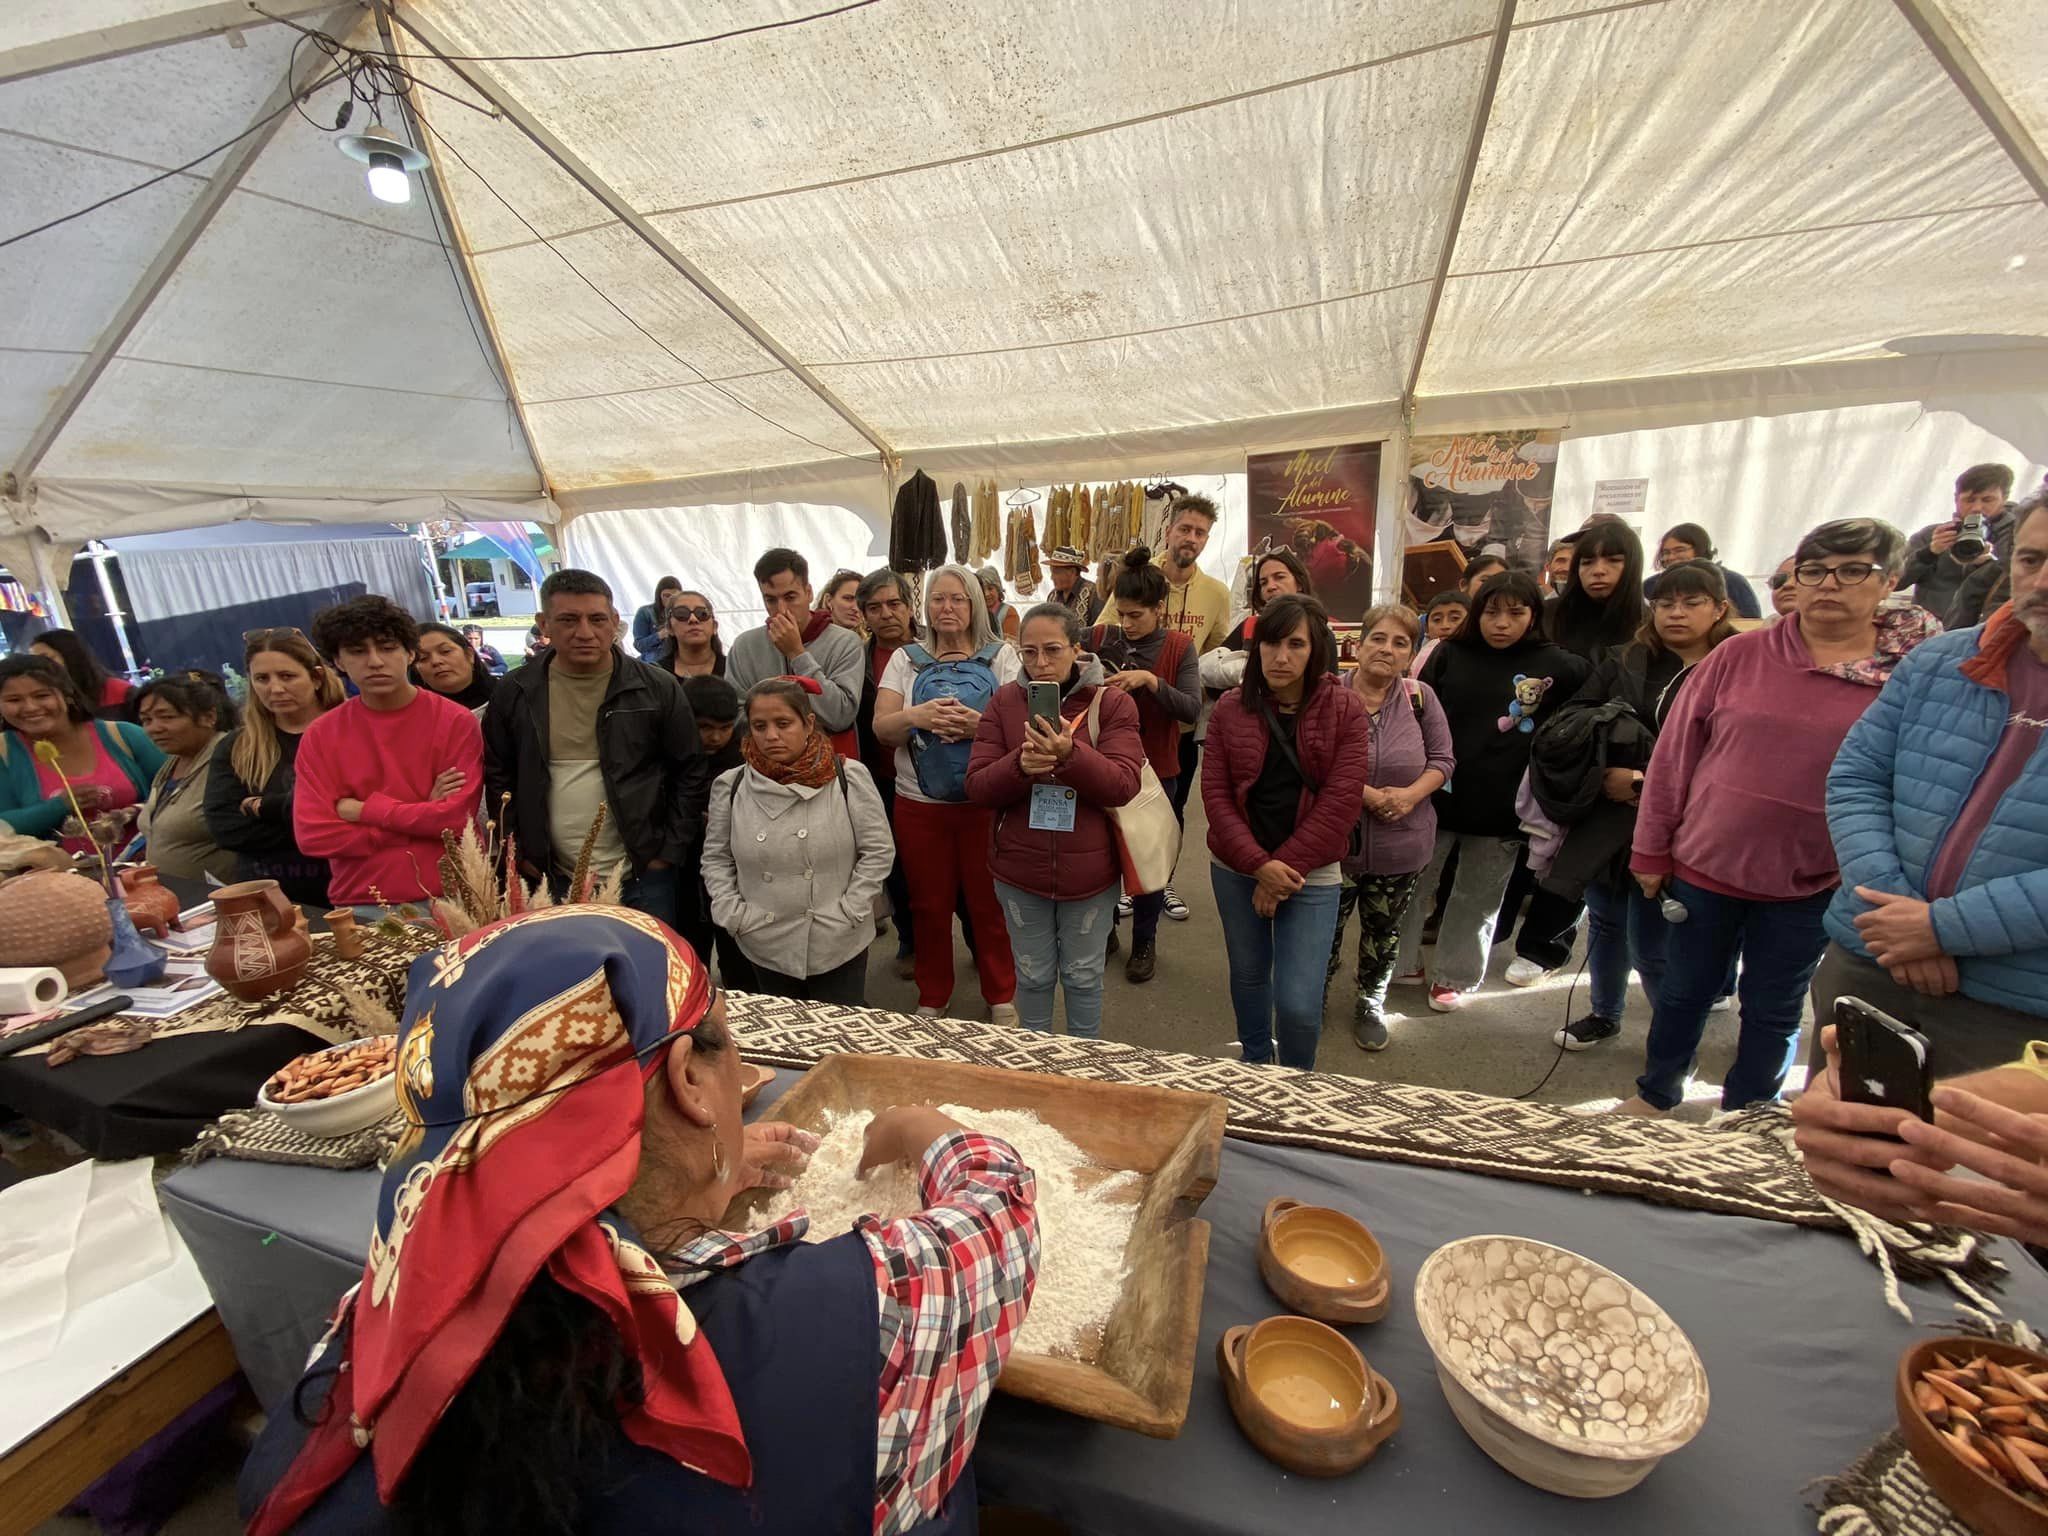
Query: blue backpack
{"type": "Point", "coordinates": [942, 765]}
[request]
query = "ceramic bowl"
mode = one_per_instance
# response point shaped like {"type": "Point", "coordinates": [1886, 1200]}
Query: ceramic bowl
{"type": "Point", "coordinates": [1323, 1264]}
{"type": "Point", "coordinates": [344, 1113]}
{"type": "Point", "coordinates": [1562, 1371]}
{"type": "Point", "coordinates": [752, 1080]}
{"type": "Point", "coordinates": [1304, 1396]}
{"type": "Point", "coordinates": [1981, 1501]}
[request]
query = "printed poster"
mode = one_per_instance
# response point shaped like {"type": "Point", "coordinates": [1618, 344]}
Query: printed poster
{"type": "Point", "coordinates": [1489, 491]}
{"type": "Point", "coordinates": [1322, 504]}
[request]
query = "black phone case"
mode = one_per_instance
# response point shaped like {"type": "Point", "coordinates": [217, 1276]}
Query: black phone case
{"type": "Point", "coordinates": [1879, 1065]}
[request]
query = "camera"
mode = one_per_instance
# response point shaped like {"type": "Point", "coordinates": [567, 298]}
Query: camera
{"type": "Point", "coordinates": [1970, 543]}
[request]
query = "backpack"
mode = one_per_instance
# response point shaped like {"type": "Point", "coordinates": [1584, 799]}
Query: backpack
{"type": "Point", "coordinates": [942, 765]}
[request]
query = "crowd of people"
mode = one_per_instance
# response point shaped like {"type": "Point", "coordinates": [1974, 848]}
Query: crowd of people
{"type": "Point", "coordinates": [1737, 812]}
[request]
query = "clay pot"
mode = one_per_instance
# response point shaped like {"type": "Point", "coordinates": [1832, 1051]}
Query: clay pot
{"type": "Point", "coordinates": [1305, 1397]}
{"type": "Point", "coordinates": [1323, 1264]}
{"type": "Point", "coordinates": [349, 942]}
{"type": "Point", "coordinates": [52, 917]}
{"type": "Point", "coordinates": [152, 907]}
{"type": "Point", "coordinates": [258, 946]}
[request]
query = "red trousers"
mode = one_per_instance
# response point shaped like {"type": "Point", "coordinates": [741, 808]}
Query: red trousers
{"type": "Point", "coordinates": [944, 851]}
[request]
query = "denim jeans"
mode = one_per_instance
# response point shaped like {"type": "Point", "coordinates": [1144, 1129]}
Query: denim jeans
{"type": "Point", "coordinates": [1781, 943]}
{"type": "Point", "coordinates": [1063, 941]}
{"type": "Point", "coordinates": [1465, 936]}
{"type": "Point", "coordinates": [1277, 965]}
{"type": "Point", "coordinates": [655, 892]}
{"type": "Point", "coordinates": [1623, 928]}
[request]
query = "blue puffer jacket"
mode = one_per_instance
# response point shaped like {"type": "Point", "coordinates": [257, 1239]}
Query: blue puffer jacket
{"type": "Point", "coordinates": [1898, 783]}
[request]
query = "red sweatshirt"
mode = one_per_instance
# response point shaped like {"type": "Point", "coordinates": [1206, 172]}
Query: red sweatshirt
{"type": "Point", "coordinates": [389, 761]}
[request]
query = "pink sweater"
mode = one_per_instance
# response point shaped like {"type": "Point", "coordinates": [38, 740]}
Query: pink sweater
{"type": "Point", "coordinates": [1734, 799]}
{"type": "Point", "coordinates": [389, 761]}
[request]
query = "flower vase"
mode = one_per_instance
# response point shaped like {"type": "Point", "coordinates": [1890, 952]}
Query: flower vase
{"type": "Point", "coordinates": [135, 961]}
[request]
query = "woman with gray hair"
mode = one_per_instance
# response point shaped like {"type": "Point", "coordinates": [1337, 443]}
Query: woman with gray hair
{"type": "Point", "coordinates": [1731, 833]}
{"type": "Point", "coordinates": [928, 706]}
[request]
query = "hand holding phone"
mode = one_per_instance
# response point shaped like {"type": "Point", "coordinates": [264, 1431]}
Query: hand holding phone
{"type": "Point", "coordinates": [1884, 1062]}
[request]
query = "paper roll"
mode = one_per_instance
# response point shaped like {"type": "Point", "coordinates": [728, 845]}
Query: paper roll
{"type": "Point", "coordinates": [30, 989]}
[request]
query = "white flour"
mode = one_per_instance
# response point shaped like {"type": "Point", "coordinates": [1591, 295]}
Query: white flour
{"type": "Point", "coordinates": [1084, 1217]}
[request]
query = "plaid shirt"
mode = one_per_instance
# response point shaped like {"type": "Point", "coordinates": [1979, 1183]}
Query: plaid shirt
{"type": "Point", "coordinates": [954, 1282]}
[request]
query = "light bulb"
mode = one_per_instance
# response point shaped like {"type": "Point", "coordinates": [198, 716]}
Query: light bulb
{"type": "Point", "coordinates": [388, 181]}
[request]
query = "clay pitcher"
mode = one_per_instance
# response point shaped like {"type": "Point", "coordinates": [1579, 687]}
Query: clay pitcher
{"type": "Point", "coordinates": [258, 947]}
{"type": "Point", "coordinates": [53, 917]}
{"type": "Point", "coordinates": [151, 906]}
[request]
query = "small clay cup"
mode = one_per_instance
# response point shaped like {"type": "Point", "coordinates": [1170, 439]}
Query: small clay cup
{"type": "Point", "coordinates": [752, 1080]}
{"type": "Point", "coordinates": [1305, 1397]}
{"type": "Point", "coordinates": [1323, 1263]}
{"type": "Point", "coordinates": [1980, 1501]}
{"type": "Point", "coordinates": [349, 942]}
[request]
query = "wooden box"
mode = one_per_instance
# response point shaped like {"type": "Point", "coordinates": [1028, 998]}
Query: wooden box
{"type": "Point", "coordinates": [1141, 1375]}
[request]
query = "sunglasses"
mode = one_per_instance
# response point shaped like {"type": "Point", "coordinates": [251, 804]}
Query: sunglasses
{"type": "Point", "coordinates": [689, 615]}
{"type": "Point", "coordinates": [287, 631]}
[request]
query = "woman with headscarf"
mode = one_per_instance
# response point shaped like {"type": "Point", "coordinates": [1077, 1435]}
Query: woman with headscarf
{"type": "Point", "coordinates": [552, 1333]}
{"type": "Point", "coordinates": [796, 852]}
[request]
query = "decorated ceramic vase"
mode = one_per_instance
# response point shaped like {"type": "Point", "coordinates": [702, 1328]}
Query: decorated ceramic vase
{"type": "Point", "coordinates": [53, 917]}
{"type": "Point", "coordinates": [258, 946]}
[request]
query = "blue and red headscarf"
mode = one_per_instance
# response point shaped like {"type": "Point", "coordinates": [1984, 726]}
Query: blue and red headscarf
{"type": "Point", "coordinates": [522, 1066]}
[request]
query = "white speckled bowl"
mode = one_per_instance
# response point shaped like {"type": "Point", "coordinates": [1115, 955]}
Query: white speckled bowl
{"type": "Point", "coordinates": [1563, 1372]}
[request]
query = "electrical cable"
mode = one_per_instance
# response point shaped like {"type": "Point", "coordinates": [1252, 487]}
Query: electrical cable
{"type": "Point", "coordinates": [705, 379]}
{"type": "Point", "coordinates": [614, 53]}
{"type": "Point", "coordinates": [1570, 992]}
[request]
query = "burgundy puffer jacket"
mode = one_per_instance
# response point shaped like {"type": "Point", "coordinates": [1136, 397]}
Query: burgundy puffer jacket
{"type": "Point", "coordinates": [1332, 737]}
{"type": "Point", "coordinates": [1060, 866]}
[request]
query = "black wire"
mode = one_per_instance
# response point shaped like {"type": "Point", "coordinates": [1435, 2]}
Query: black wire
{"type": "Point", "coordinates": [613, 53]}
{"type": "Point", "coordinates": [1570, 993]}
{"type": "Point", "coordinates": [703, 378]}
{"type": "Point", "coordinates": [176, 170]}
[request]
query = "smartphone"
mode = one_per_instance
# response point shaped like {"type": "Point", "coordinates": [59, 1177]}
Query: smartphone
{"type": "Point", "coordinates": [1044, 703]}
{"type": "Point", "coordinates": [1883, 1061]}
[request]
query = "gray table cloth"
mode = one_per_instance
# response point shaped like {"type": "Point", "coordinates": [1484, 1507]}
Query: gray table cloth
{"type": "Point", "coordinates": [1791, 1323]}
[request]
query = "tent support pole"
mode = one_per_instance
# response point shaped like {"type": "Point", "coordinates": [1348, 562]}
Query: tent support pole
{"type": "Point", "coordinates": [469, 290]}
{"type": "Point", "coordinates": [233, 166]}
{"type": "Point", "coordinates": [48, 579]}
{"type": "Point", "coordinates": [1503, 25]}
{"type": "Point", "coordinates": [181, 25]}
{"type": "Point", "coordinates": [441, 46]}
{"type": "Point", "coordinates": [1953, 54]}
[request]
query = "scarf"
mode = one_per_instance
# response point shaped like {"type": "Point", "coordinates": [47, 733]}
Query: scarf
{"type": "Point", "coordinates": [815, 767]}
{"type": "Point", "coordinates": [521, 1073]}
{"type": "Point", "coordinates": [816, 624]}
{"type": "Point", "coordinates": [2003, 634]}
{"type": "Point", "coordinates": [1898, 631]}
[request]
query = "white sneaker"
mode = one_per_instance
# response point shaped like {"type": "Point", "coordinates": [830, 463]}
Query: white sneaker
{"type": "Point", "coordinates": [1174, 907]}
{"type": "Point", "coordinates": [928, 1013]}
{"type": "Point", "coordinates": [1524, 973]}
{"type": "Point", "coordinates": [1721, 1005]}
{"type": "Point", "coordinates": [1003, 1013]}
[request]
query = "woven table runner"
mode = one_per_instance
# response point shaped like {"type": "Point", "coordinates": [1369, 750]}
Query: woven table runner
{"type": "Point", "coordinates": [258, 1136]}
{"type": "Point", "coordinates": [1883, 1494]}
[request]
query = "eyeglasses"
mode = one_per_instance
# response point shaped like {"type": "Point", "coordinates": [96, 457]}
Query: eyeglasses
{"type": "Point", "coordinates": [1778, 582]}
{"type": "Point", "coordinates": [255, 636]}
{"type": "Point", "coordinates": [1691, 602]}
{"type": "Point", "coordinates": [1851, 573]}
{"type": "Point", "coordinates": [689, 615]}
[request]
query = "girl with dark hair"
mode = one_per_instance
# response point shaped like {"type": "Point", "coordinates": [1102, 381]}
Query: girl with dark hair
{"type": "Point", "coordinates": [559, 1339]}
{"type": "Point", "coordinates": [796, 851]}
{"type": "Point", "coordinates": [1276, 573]}
{"type": "Point", "coordinates": [444, 662]}
{"type": "Point", "coordinates": [1287, 758]}
{"type": "Point", "coordinates": [1586, 771]}
{"type": "Point", "coordinates": [1601, 607]}
{"type": "Point", "coordinates": [648, 618]}
{"type": "Point", "coordinates": [186, 714]}
{"type": "Point", "coordinates": [690, 646]}
{"type": "Point", "coordinates": [108, 763]}
{"type": "Point", "coordinates": [112, 698]}
{"type": "Point", "coordinates": [1477, 570]}
{"type": "Point", "coordinates": [1157, 668]}
{"type": "Point", "coordinates": [1497, 679]}
{"type": "Point", "coordinates": [1683, 542]}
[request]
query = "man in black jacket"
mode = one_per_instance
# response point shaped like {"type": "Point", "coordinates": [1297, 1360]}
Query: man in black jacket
{"type": "Point", "coordinates": [1939, 559]}
{"type": "Point", "coordinates": [584, 726]}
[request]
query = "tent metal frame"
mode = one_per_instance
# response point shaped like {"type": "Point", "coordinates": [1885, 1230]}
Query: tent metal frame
{"type": "Point", "coordinates": [485, 85]}
{"type": "Point", "coordinates": [1953, 54]}
{"type": "Point", "coordinates": [146, 33]}
{"type": "Point", "coordinates": [194, 223]}
{"type": "Point", "coordinates": [1475, 142]}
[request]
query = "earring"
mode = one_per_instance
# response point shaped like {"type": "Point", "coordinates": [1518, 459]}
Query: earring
{"type": "Point", "coordinates": [720, 1164]}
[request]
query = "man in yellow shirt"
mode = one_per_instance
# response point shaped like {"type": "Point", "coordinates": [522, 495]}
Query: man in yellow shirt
{"type": "Point", "coordinates": [1198, 605]}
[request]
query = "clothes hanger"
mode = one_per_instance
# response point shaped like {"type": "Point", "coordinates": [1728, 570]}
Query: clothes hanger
{"type": "Point", "coordinates": [1029, 496]}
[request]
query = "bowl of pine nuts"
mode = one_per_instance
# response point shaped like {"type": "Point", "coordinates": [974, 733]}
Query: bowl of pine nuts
{"type": "Point", "coordinates": [334, 1092]}
{"type": "Point", "coordinates": [1974, 1415]}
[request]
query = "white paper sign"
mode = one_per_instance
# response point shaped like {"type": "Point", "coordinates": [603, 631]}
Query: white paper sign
{"type": "Point", "coordinates": [1625, 499]}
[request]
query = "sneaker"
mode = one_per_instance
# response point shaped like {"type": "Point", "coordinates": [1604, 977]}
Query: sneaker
{"type": "Point", "coordinates": [1640, 1107]}
{"type": "Point", "coordinates": [1589, 1031]}
{"type": "Point", "coordinates": [1123, 908]}
{"type": "Point", "coordinates": [1144, 958]}
{"type": "Point", "coordinates": [1175, 908]}
{"type": "Point", "coordinates": [1524, 973]}
{"type": "Point", "coordinates": [1721, 1005]}
{"type": "Point", "coordinates": [1446, 999]}
{"type": "Point", "coordinates": [1003, 1013]}
{"type": "Point", "coordinates": [1367, 1027]}
{"type": "Point", "coordinates": [927, 1013]}
{"type": "Point", "coordinates": [1414, 978]}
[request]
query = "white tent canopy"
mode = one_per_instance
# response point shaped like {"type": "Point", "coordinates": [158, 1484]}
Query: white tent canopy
{"type": "Point", "coordinates": [985, 236]}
